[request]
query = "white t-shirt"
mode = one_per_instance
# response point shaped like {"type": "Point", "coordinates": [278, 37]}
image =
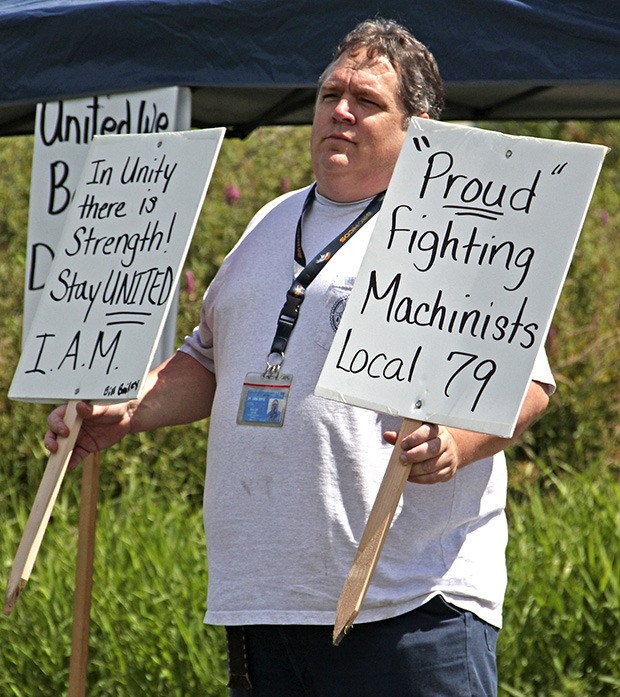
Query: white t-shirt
{"type": "Point", "coordinates": [285, 508]}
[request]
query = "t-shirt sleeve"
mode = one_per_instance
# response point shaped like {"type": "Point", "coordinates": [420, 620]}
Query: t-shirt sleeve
{"type": "Point", "coordinates": [541, 372]}
{"type": "Point", "coordinates": [200, 344]}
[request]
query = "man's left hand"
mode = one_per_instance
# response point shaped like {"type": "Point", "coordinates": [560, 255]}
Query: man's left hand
{"type": "Point", "coordinates": [430, 451]}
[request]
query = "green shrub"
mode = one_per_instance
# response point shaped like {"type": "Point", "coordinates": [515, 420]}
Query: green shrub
{"type": "Point", "coordinates": [582, 423]}
{"type": "Point", "coordinates": [562, 616]}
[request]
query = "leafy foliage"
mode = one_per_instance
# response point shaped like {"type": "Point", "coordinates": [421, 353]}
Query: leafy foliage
{"type": "Point", "coordinates": [581, 425]}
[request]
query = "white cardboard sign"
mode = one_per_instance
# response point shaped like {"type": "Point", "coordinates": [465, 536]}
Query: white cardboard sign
{"type": "Point", "coordinates": [116, 266]}
{"type": "Point", "coordinates": [63, 131]}
{"type": "Point", "coordinates": [461, 277]}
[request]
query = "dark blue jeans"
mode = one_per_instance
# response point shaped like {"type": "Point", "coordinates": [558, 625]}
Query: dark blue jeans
{"type": "Point", "coordinates": [436, 650]}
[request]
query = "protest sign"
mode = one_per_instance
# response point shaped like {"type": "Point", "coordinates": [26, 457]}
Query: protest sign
{"type": "Point", "coordinates": [116, 266]}
{"type": "Point", "coordinates": [461, 276]}
{"type": "Point", "coordinates": [63, 131]}
{"type": "Point", "coordinates": [455, 294]}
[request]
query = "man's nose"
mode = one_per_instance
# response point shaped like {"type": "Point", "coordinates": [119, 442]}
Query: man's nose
{"type": "Point", "coordinates": [343, 112]}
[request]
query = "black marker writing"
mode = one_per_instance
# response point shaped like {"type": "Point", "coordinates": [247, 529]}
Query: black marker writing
{"type": "Point", "coordinates": [474, 247]}
{"type": "Point", "coordinates": [59, 172]}
{"type": "Point", "coordinates": [86, 242]}
{"type": "Point", "coordinates": [100, 210]}
{"type": "Point", "coordinates": [476, 322]}
{"type": "Point", "coordinates": [136, 171]}
{"type": "Point", "coordinates": [100, 174]}
{"type": "Point", "coordinates": [376, 366]}
{"type": "Point", "coordinates": [152, 286]}
{"type": "Point", "coordinates": [35, 368]}
{"type": "Point", "coordinates": [482, 372]}
{"type": "Point", "coordinates": [469, 190]}
{"type": "Point", "coordinates": [71, 289]}
{"type": "Point", "coordinates": [57, 126]}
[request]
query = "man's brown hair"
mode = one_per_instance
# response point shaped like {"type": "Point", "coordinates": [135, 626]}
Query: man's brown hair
{"type": "Point", "coordinates": [420, 85]}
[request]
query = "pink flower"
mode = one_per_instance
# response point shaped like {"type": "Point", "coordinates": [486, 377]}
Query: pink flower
{"type": "Point", "coordinates": [286, 186]}
{"type": "Point", "coordinates": [604, 217]}
{"type": "Point", "coordinates": [190, 282]}
{"type": "Point", "coordinates": [232, 194]}
{"type": "Point", "coordinates": [551, 340]}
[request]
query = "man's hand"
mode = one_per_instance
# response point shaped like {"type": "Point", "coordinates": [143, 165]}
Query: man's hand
{"type": "Point", "coordinates": [434, 453]}
{"type": "Point", "coordinates": [178, 391]}
{"type": "Point", "coordinates": [102, 426]}
{"type": "Point", "coordinates": [430, 451]}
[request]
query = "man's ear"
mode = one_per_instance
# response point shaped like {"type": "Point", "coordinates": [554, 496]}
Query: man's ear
{"type": "Point", "coordinates": [423, 115]}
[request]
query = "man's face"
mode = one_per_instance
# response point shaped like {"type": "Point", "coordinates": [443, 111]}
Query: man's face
{"type": "Point", "coordinates": [358, 128]}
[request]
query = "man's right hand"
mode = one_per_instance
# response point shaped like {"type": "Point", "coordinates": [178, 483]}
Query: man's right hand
{"type": "Point", "coordinates": [102, 426]}
{"type": "Point", "coordinates": [179, 391]}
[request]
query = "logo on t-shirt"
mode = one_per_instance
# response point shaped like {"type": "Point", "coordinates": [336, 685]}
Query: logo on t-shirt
{"type": "Point", "coordinates": [335, 314]}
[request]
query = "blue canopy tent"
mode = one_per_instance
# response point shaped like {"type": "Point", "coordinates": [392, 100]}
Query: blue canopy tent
{"type": "Point", "coordinates": [256, 62]}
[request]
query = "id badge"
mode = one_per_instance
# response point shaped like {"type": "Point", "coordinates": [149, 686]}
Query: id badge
{"type": "Point", "coordinates": [263, 400]}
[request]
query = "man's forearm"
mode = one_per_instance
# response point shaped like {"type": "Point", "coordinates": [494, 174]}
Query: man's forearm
{"type": "Point", "coordinates": [472, 446]}
{"type": "Point", "coordinates": [178, 391]}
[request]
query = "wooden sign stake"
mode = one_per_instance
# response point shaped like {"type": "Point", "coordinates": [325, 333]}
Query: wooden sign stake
{"type": "Point", "coordinates": [78, 667]}
{"type": "Point", "coordinates": [41, 511]}
{"type": "Point", "coordinates": [374, 535]}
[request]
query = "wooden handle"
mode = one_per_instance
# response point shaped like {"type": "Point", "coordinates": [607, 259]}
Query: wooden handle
{"type": "Point", "coordinates": [78, 665]}
{"type": "Point", "coordinates": [374, 536]}
{"type": "Point", "coordinates": [41, 510]}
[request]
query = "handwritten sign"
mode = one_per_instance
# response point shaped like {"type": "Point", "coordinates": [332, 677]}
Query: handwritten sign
{"type": "Point", "coordinates": [116, 267]}
{"type": "Point", "coordinates": [63, 131]}
{"type": "Point", "coordinates": [461, 277]}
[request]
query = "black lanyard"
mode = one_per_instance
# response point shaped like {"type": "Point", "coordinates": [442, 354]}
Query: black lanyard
{"type": "Point", "coordinates": [297, 292]}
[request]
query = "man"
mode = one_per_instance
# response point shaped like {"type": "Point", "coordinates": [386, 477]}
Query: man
{"type": "Point", "coordinates": [285, 506]}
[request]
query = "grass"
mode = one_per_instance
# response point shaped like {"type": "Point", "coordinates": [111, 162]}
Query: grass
{"type": "Point", "coordinates": [562, 616]}
{"type": "Point", "coordinates": [562, 611]}
{"type": "Point", "coordinates": [150, 581]}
